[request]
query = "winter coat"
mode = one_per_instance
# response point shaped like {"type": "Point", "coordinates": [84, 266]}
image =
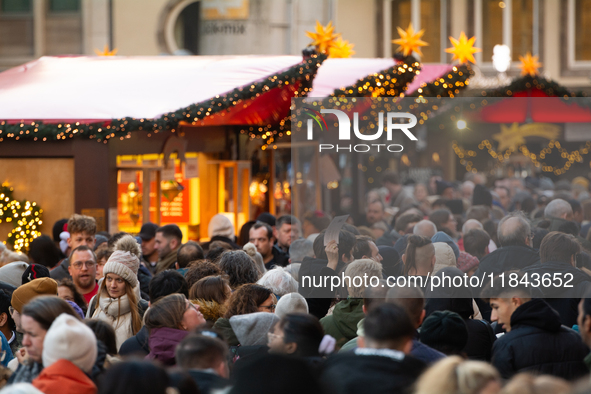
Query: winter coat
{"type": "Point", "coordinates": [137, 345]}
{"type": "Point", "coordinates": [211, 310]}
{"type": "Point", "coordinates": [208, 381]}
{"type": "Point", "coordinates": [144, 276]}
{"type": "Point", "coordinates": [514, 257]}
{"type": "Point", "coordinates": [280, 258]}
{"type": "Point", "coordinates": [63, 377]}
{"type": "Point", "coordinates": [315, 271]}
{"type": "Point", "coordinates": [564, 300]}
{"type": "Point", "coordinates": [163, 342]}
{"type": "Point", "coordinates": [371, 370]}
{"type": "Point", "coordinates": [26, 372]}
{"type": "Point", "coordinates": [61, 271]}
{"type": "Point", "coordinates": [342, 324]}
{"type": "Point", "coordinates": [539, 344]}
{"type": "Point", "coordinates": [116, 312]}
{"type": "Point", "coordinates": [224, 327]}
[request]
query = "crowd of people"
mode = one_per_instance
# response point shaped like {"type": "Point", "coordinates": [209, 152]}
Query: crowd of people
{"type": "Point", "coordinates": [87, 312]}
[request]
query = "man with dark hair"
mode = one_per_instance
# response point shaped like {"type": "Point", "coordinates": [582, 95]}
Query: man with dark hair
{"type": "Point", "coordinates": [381, 361]}
{"type": "Point", "coordinates": [476, 243]}
{"type": "Point", "coordinates": [287, 230]}
{"type": "Point", "coordinates": [165, 283]}
{"type": "Point", "coordinates": [406, 222]}
{"type": "Point", "coordinates": [205, 358]}
{"type": "Point", "coordinates": [187, 253]}
{"type": "Point", "coordinates": [535, 342]}
{"type": "Point", "coordinates": [149, 252]}
{"type": "Point", "coordinates": [323, 266]}
{"type": "Point", "coordinates": [7, 326]}
{"type": "Point", "coordinates": [398, 197]}
{"type": "Point", "coordinates": [82, 269]}
{"type": "Point", "coordinates": [201, 269]}
{"type": "Point", "coordinates": [168, 240]}
{"type": "Point", "coordinates": [365, 248]}
{"type": "Point", "coordinates": [558, 253]}
{"type": "Point", "coordinates": [261, 235]}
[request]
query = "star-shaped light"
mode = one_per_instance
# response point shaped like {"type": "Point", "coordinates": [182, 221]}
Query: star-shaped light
{"type": "Point", "coordinates": [324, 37]}
{"type": "Point", "coordinates": [106, 51]}
{"type": "Point", "coordinates": [341, 48]}
{"type": "Point", "coordinates": [410, 41]}
{"type": "Point", "coordinates": [463, 50]}
{"type": "Point", "coordinates": [529, 65]}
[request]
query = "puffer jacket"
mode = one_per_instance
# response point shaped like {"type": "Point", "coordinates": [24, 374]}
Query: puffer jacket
{"type": "Point", "coordinates": [539, 344]}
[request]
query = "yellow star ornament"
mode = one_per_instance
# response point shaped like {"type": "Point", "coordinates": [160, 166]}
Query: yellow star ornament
{"type": "Point", "coordinates": [324, 37]}
{"type": "Point", "coordinates": [529, 65]}
{"type": "Point", "coordinates": [106, 51]}
{"type": "Point", "coordinates": [410, 41]}
{"type": "Point", "coordinates": [463, 49]}
{"type": "Point", "coordinates": [341, 49]}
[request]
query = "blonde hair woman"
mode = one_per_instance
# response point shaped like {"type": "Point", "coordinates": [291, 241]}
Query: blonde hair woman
{"type": "Point", "coordinates": [453, 375]}
{"type": "Point", "coordinates": [118, 300]}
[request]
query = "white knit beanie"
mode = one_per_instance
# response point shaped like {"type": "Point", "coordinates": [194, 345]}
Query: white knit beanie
{"type": "Point", "coordinates": [70, 339]}
{"type": "Point", "coordinates": [444, 257]}
{"type": "Point", "coordinates": [291, 303]}
{"type": "Point", "coordinates": [12, 273]}
{"type": "Point", "coordinates": [123, 264]}
{"type": "Point", "coordinates": [220, 225]}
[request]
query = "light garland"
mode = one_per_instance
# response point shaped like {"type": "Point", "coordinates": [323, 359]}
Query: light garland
{"type": "Point", "coordinates": [25, 216]}
{"type": "Point", "coordinates": [571, 157]}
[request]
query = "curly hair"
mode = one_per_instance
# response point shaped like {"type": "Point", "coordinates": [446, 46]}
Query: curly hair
{"type": "Point", "coordinates": [239, 267]}
{"type": "Point", "coordinates": [246, 299]}
{"type": "Point", "coordinates": [200, 269]}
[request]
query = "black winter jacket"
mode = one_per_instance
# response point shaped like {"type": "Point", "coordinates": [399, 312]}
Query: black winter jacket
{"type": "Point", "coordinates": [539, 344]}
{"type": "Point", "coordinates": [564, 299]}
{"type": "Point", "coordinates": [313, 273]}
{"type": "Point", "coordinates": [379, 373]}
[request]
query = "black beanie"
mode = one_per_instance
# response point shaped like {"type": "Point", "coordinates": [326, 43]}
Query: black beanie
{"type": "Point", "coordinates": [482, 196]}
{"type": "Point", "coordinates": [445, 331]}
{"type": "Point", "coordinates": [441, 186]}
{"type": "Point", "coordinates": [266, 217]}
{"type": "Point", "coordinates": [35, 271]}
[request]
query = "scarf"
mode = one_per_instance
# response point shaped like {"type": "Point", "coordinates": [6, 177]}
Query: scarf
{"type": "Point", "coordinates": [116, 312]}
{"type": "Point", "coordinates": [166, 262]}
{"type": "Point", "coordinates": [26, 373]}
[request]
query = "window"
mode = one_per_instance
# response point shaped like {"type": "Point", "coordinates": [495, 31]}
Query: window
{"type": "Point", "coordinates": [16, 28]}
{"type": "Point", "coordinates": [63, 27]}
{"type": "Point", "coordinates": [430, 15]}
{"type": "Point", "coordinates": [514, 23]}
{"type": "Point", "coordinates": [578, 28]}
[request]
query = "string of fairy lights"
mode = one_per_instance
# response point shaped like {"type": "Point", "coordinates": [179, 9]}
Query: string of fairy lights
{"type": "Point", "coordinates": [24, 215]}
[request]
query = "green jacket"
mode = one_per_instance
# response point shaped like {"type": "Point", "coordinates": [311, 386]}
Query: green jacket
{"type": "Point", "coordinates": [342, 324]}
{"type": "Point", "coordinates": [352, 344]}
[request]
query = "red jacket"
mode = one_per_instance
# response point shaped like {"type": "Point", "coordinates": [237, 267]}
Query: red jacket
{"type": "Point", "coordinates": [63, 377]}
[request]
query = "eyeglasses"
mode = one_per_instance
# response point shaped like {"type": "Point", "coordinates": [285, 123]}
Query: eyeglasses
{"type": "Point", "coordinates": [78, 264]}
{"type": "Point", "coordinates": [191, 306]}
{"type": "Point", "coordinates": [269, 307]}
{"type": "Point", "coordinates": [11, 310]}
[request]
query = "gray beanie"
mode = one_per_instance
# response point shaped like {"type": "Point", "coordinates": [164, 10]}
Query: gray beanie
{"type": "Point", "coordinates": [251, 329]}
{"type": "Point", "coordinates": [12, 273]}
{"type": "Point", "coordinates": [291, 303]}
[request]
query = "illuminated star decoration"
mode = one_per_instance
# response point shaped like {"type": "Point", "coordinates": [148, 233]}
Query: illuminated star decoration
{"type": "Point", "coordinates": [106, 51]}
{"type": "Point", "coordinates": [529, 65]}
{"type": "Point", "coordinates": [410, 41]}
{"type": "Point", "coordinates": [341, 49]}
{"type": "Point", "coordinates": [463, 50]}
{"type": "Point", "coordinates": [324, 37]}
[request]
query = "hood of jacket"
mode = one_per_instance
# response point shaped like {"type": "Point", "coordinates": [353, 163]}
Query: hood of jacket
{"type": "Point", "coordinates": [163, 342]}
{"type": "Point", "coordinates": [65, 378]}
{"type": "Point", "coordinates": [509, 258]}
{"type": "Point", "coordinates": [536, 313]}
{"type": "Point", "coordinates": [345, 316]}
{"type": "Point", "coordinates": [251, 329]}
{"type": "Point", "coordinates": [211, 310]}
{"type": "Point", "coordinates": [224, 327]}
